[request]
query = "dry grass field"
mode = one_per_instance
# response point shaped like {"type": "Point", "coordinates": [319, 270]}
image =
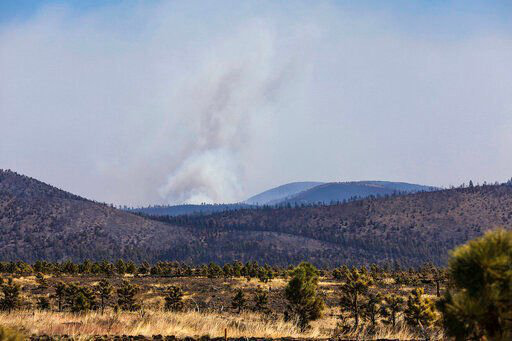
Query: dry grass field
{"type": "Point", "coordinates": [207, 311]}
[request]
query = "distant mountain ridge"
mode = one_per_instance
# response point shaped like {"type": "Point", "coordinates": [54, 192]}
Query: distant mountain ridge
{"type": "Point", "coordinates": [331, 192]}
{"type": "Point", "coordinates": [280, 193]}
{"type": "Point", "coordinates": [39, 221]}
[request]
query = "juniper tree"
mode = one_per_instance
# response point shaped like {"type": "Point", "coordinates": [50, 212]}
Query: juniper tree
{"type": "Point", "coordinates": [60, 294]}
{"type": "Point", "coordinates": [43, 303]}
{"type": "Point", "coordinates": [214, 270]}
{"type": "Point", "coordinates": [353, 291]}
{"type": "Point", "coordinates": [126, 296]}
{"type": "Point", "coordinates": [104, 290]}
{"type": "Point", "coordinates": [419, 310]}
{"type": "Point", "coordinates": [11, 296]}
{"type": "Point", "coordinates": [238, 301]}
{"type": "Point", "coordinates": [173, 298]}
{"type": "Point", "coordinates": [304, 304]}
{"type": "Point", "coordinates": [371, 308]}
{"type": "Point", "coordinates": [479, 302]}
{"type": "Point", "coordinates": [391, 306]}
{"type": "Point", "coordinates": [41, 281]}
{"type": "Point", "coordinates": [261, 300]}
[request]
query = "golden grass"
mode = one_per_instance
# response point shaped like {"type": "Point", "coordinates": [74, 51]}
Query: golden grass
{"type": "Point", "coordinates": [183, 324]}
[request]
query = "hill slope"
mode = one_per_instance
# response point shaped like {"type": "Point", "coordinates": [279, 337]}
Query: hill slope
{"type": "Point", "coordinates": [278, 194]}
{"type": "Point", "coordinates": [341, 191]}
{"type": "Point", "coordinates": [411, 229]}
{"type": "Point", "coordinates": [39, 221]}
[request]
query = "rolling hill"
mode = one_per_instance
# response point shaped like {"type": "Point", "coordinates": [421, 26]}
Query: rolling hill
{"type": "Point", "coordinates": [39, 221]}
{"type": "Point", "coordinates": [279, 194]}
{"type": "Point", "coordinates": [342, 191]}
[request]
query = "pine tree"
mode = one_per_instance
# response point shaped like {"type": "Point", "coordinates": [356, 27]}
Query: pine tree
{"type": "Point", "coordinates": [104, 290]}
{"type": "Point", "coordinates": [60, 294]}
{"type": "Point", "coordinates": [174, 298]}
{"type": "Point", "coordinates": [302, 294]}
{"type": "Point", "coordinates": [353, 291]}
{"type": "Point", "coordinates": [479, 302]}
{"type": "Point", "coordinates": [238, 301]}
{"type": "Point", "coordinates": [214, 271]}
{"type": "Point", "coordinates": [126, 296]}
{"type": "Point", "coordinates": [43, 303]}
{"type": "Point", "coordinates": [261, 300]}
{"type": "Point", "coordinates": [11, 299]}
{"type": "Point", "coordinates": [391, 306]}
{"type": "Point", "coordinates": [41, 281]}
{"type": "Point", "coordinates": [419, 310]}
{"type": "Point", "coordinates": [371, 308]}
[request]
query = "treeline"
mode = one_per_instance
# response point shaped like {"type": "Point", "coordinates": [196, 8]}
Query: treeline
{"type": "Point", "coordinates": [212, 270]}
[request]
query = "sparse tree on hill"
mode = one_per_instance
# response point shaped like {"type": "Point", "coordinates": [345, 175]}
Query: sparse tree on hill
{"type": "Point", "coordinates": [302, 294]}
{"type": "Point", "coordinates": [174, 298]}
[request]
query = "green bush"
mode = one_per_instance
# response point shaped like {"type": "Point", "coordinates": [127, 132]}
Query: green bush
{"type": "Point", "coordinates": [479, 303]}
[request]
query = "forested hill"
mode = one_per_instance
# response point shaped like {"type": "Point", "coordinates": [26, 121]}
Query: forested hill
{"type": "Point", "coordinates": [39, 221]}
{"type": "Point", "coordinates": [411, 229]}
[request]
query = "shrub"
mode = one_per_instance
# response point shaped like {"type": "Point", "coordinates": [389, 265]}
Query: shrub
{"type": "Point", "coordinates": [174, 298]}
{"type": "Point", "coordinates": [479, 303]}
{"type": "Point", "coordinates": [302, 295]}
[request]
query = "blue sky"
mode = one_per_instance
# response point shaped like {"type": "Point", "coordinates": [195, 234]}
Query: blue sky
{"type": "Point", "coordinates": [140, 102]}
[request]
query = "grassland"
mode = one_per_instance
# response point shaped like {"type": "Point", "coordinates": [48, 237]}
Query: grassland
{"type": "Point", "coordinates": [207, 312]}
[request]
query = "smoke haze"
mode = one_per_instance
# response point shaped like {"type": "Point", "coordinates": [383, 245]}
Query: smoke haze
{"type": "Point", "coordinates": [195, 102]}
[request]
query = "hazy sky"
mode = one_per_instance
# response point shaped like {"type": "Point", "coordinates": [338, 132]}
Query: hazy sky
{"type": "Point", "coordinates": [139, 102]}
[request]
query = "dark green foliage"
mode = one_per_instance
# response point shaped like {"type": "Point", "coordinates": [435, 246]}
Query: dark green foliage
{"type": "Point", "coordinates": [479, 303]}
{"type": "Point", "coordinates": [392, 305]}
{"type": "Point", "coordinates": [372, 308]}
{"type": "Point", "coordinates": [79, 299]}
{"type": "Point", "coordinates": [302, 294]}
{"type": "Point", "coordinates": [261, 300]}
{"type": "Point", "coordinates": [41, 281]}
{"type": "Point", "coordinates": [11, 296]}
{"type": "Point", "coordinates": [43, 303]}
{"type": "Point", "coordinates": [60, 294]}
{"type": "Point", "coordinates": [104, 290]}
{"type": "Point", "coordinates": [419, 311]}
{"type": "Point", "coordinates": [126, 299]}
{"type": "Point", "coordinates": [353, 291]}
{"type": "Point", "coordinates": [173, 298]}
{"type": "Point", "coordinates": [214, 270]}
{"type": "Point", "coordinates": [238, 301]}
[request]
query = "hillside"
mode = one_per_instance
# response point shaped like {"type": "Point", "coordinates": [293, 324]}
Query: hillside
{"type": "Point", "coordinates": [411, 229]}
{"type": "Point", "coordinates": [341, 191]}
{"type": "Point", "coordinates": [39, 221]}
{"type": "Point", "coordinates": [278, 194]}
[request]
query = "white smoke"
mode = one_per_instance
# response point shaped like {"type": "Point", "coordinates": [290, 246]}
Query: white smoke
{"type": "Point", "coordinates": [189, 101]}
